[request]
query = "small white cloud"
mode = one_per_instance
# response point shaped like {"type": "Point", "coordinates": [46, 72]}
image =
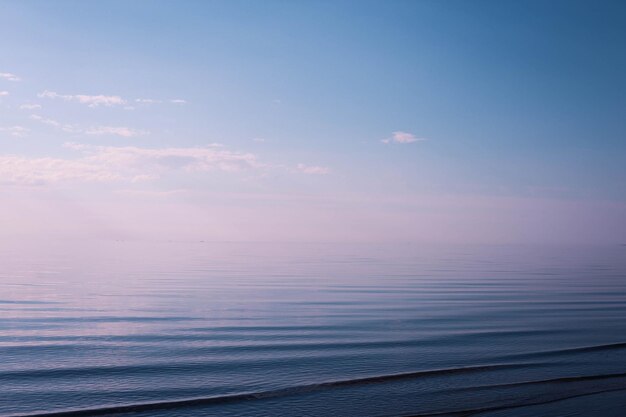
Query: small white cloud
{"type": "Point", "coordinates": [402, 137]}
{"type": "Point", "coordinates": [50, 122]}
{"type": "Point", "coordinates": [126, 132]}
{"type": "Point", "coordinates": [45, 121]}
{"type": "Point", "coordinates": [178, 101]}
{"type": "Point", "coordinates": [10, 77]}
{"type": "Point", "coordinates": [90, 101]}
{"type": "Point", "coordinates": [30, 106]}
{"type": "Point", "coordinates": [16, 131]}
{"type": "Point", "coordinates": [116, 131]}
{"type": "Point", "coordinates": [4, 93]}
{"type": "Point", "coordinates": [258, 140]}
{"type": "Point", "coordinates": [313, 170]}
{"type": "Point", "coordinates": [147, 101]}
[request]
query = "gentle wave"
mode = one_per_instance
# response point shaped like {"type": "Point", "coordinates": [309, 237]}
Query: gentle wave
{"type": "Point", "coordinates": [573, 350]}
{"type": "Point", "coordinates": [141, 327]}
{"type": "Point", "coordinates": [282, 392]}
{"type": "Point", "coordinates": [561, 380]}
{"type": "Point", "coordinates": [481, 410]}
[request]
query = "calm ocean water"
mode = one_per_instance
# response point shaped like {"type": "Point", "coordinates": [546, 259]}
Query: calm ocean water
{"type": "Point", "coordinates": [192, 329]}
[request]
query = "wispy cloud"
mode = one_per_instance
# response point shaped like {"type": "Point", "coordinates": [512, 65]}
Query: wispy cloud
{"type": "Point", "coordinates": [89, 100]}
{"type": "Point", "coordinates": [105, 100]}
{"type": "Point", "coordinates": [44, 120]}
{"type": "Point", "coordinates": [9, 76]}
{"type": "Point", "coordinates": [66, 127]}
{"type": "Point", "coordinates": [188, 159]}
{"type": "Point", "coordinates": [16, 131]}
{"type": "Point", "coordinates": [126, 132]}
{"type": "Point", "coordinates": [4, 93]}
{"type": "Point", "coordinates": [122, 131]}
{"type": "Point", "coordinates": [19, 170]}
{"type": "Point", "coordinates": [148, 101]}
{"type": "Point", "coordinates": [121, 164]}
{"type": "Point", "coordinates": [30, 106]}
{"type": "Point", "coordinates": [313, 170]}
{"type": "Point", "coordinates": [402, 137]}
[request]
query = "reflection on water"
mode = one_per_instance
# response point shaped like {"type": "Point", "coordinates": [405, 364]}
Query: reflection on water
{"type": "Point", "coordinates": [182, 329]}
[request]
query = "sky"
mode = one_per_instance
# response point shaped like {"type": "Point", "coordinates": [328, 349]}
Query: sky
{"type": "Point", "coordinates": [357, 121]}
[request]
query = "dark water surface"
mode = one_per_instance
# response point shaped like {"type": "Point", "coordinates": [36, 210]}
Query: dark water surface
{"type": "Point", "coordinates": [192, 329]}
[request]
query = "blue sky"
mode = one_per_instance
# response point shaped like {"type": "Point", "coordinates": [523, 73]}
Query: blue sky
{"type": "Point", "coordinates": [275, 120]}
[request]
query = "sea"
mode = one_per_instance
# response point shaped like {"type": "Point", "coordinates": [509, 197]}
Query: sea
{"type": "Point", "coordinates": [180, 328]}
